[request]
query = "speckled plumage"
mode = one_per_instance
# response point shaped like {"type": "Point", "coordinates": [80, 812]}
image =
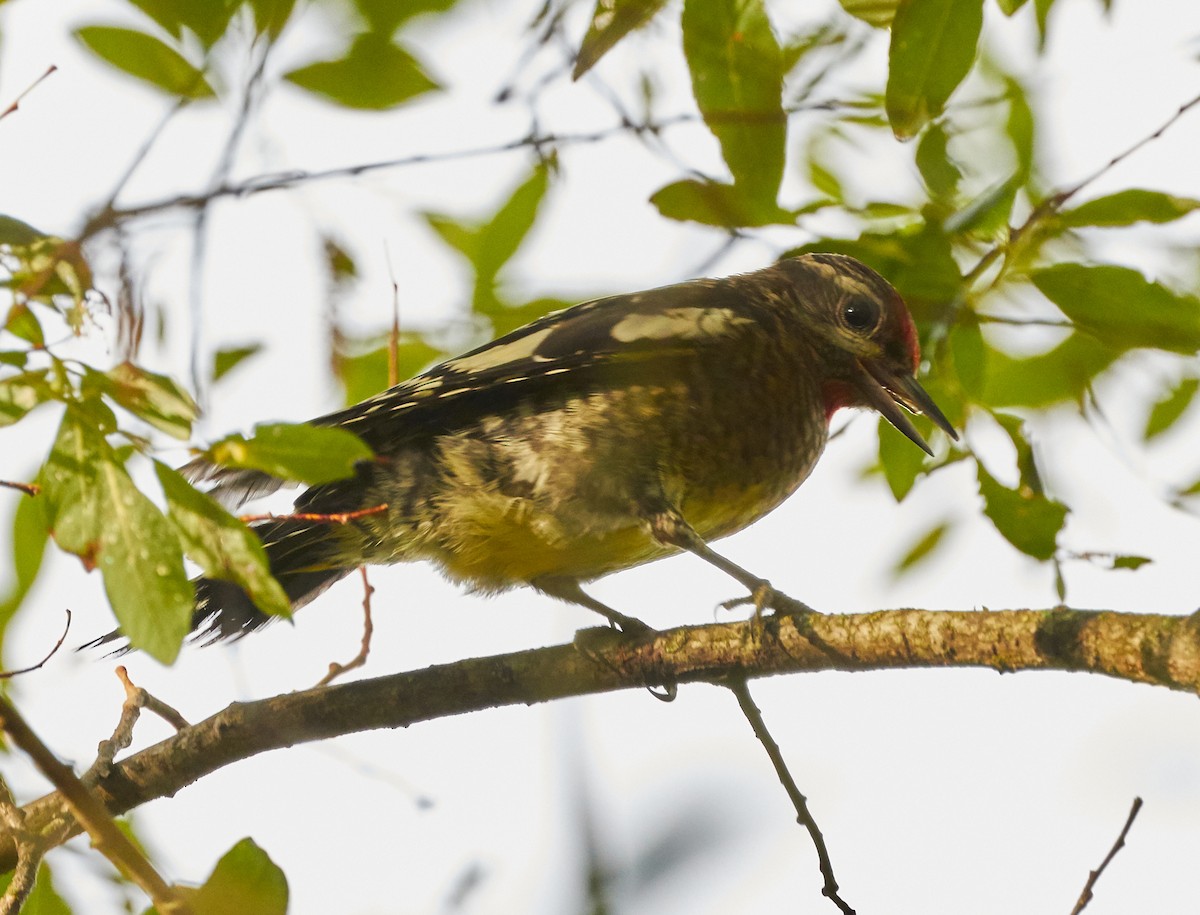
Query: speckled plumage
{"type": "Point", "coordinates": [585, 442]}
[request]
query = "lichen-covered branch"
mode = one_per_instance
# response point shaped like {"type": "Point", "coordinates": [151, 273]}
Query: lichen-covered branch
{"type": "Point", "coordinates": [1140, 648]}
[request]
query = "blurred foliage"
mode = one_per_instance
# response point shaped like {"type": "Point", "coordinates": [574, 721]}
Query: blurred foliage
{"type": "Point", "coordinates": [1017, 310]}
{"type": "Point", "coordinates": [244, 880]}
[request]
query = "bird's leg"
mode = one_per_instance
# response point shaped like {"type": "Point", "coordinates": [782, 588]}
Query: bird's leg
{"type": "Point", "coordinates": [567, 589]}
{"type": "Point", "coordinates": [670, 528]}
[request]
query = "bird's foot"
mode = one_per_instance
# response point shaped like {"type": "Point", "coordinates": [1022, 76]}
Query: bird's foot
{"type": "Point", "coordinates": [765, 597]}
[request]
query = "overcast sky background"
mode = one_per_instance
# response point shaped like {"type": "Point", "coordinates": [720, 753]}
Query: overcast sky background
{"type": "Point", "coordinates": [938, 791]}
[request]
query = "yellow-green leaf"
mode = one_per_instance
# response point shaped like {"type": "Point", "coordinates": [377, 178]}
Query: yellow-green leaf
{"type": "Point", "coordinates": [737, 79]}
{"type": "Point", "coordinates": [932, 49]}
{"type": "Point", "coordinates": [611, 21]}
{"type": "Point", "coordinates": [374, 74]}
{"type": "Point", "coordinates": [310, 454]}
{"type": "Point", "coordinates": [219, 543]}
{"type": "Point", "coordinates": [1120, 307]}
{"type": "Point", "coordinates": [146, 58]}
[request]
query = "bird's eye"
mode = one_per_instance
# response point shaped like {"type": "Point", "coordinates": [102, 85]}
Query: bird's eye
{"type": "Point", "coordinates": [860, 315]}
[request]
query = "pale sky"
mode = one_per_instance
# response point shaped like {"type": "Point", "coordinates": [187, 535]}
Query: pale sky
{"type": "Point", "coordinates": [938, 791]}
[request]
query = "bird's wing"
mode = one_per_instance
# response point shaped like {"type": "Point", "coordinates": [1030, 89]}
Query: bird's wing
{"type": "Point", "coordinates": [610, 342]}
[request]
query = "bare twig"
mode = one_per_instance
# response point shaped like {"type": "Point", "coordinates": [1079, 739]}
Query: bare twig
{"type": "Point", "coordinates": [30, 852]}
{"type": "Point", "coordinates": [332, 518]}
{"type": "Point", "coordinates": [739, 687]}
{"type": "Point", "coordinates": [336, 669]}
{"type": "Point", "coordinates": [1151, 648]}
{"type": "Point", "coordinates": [16, 103]}
{"type": "Point", "coordinates": [92, 815]}
{"type": "Point", "coordinates": [1055, 201]}
{"type": "Point", "coordinates": [136, 699]}
{"type": "Point", "coordinates": [5, 674]}
{"type": "Point", "coordinates": [1086, 896]}
{"type": "Point", "coordinates": [394, 334]}
{"type": "Point", "coordinates": [30, 489]}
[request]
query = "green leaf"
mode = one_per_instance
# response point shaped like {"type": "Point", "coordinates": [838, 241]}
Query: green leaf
{"type": "Point", "coordinates": [155, 399]}
{"type": "Point", "coordinates": [986, 214]}
{"type": "Point", "coordinates": [1170, 408]}
{"type": "Point", "coordinates": [364, 372]}
{"type": "Point", "coordinates": [940, 173]}
{"type": "Point", "coordinates": [498, 240]}
{"type": "Point", "coordinates": [146, 58]}
{"type": "Point", "coordinates": [93, 510]}
{"type": "Point", "coordinates": [270, 16]}
{"type": "Point", "coordinates": [385, 16]}
{"type": "Point", "coordinates": [922, 548]}
{"type": "Point", "coordinates": [932, 49]}
{"type": "Point", "coordinates": [1008, 7]}
{"type": "Point", "coordinates": [611, 21]}
{"type": "Point", "coordinates": [1121, 307]}
{"type": "Point", "coordinates": [310, 454]}
{"type": "Point", "coordinates": [1124, 208]}
{"type": "Point", "coordinates": [1021, 129]}
{"type": "Point", "coordinates": [227, 359]}
{"type": "Point", "coordinates": [44, 899]}
{"type": "Point", "coordinates": [1029, 477]}
{"type": "Point", "coordinates": [219, 543]}
{"type": "Point", "coordinates": [969, 354]}
{"type": "Point", "coordinates": [902, 461]}
{"type": "Point", "coordinates": [14, 232]}
{"type": "Point", "coordinates": [737, 78]}
{"type": "Point", "coordinates": [244, 880]}
{"type": "Point", "coordinates": [878, 13]}
{"type": "Point", "coordinates": [1061, 374]}
{"type": "Point", "coordinates": [68, 482]}
{"type": "Point", "coordinates": [824, 180]}
{"type": "Point", "coordinates": [207, 19]}
{"type": "Point", "coordinates": [375, 74]}
{"type": "Point", "coordinates": [29, 538]}
{"type": "Point", "coordinates": [22, 322]}
{"type": "Point", "coordinates": [714, 204]}
{"type": "Point", "coordinates": [1029, 521]}
{"type": "Point", "coordinates": [1132, 563]}
{"type": "Point", "coordinates": [142, 564]}
{"type": "Point", "coordinates": [460, 236]}
{"type": "Point", "coordinates": [21, 393]}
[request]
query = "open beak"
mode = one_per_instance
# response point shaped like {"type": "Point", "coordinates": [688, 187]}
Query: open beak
{"type": "Point", "coordinates": [887, 391]}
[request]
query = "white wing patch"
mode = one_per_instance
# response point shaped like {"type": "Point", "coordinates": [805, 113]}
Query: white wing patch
{"type": "Point", "coordinates": [502, 354]}
{"type": "Point", "coordinates": [678, 323]}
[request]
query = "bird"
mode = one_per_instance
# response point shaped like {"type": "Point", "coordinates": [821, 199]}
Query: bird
{"type": "Point", "coordinates": [594, 439]}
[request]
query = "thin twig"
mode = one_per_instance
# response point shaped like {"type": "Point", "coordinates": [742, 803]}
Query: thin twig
{"type": "Point", "coordinates": [16, 103]}
{"type": "Point", "coordinates": [394, 334]}
{"type": "Point", "coordinates": [332, 518]}
{"type": "Point", "coordinates": [30, 489]}
{"type": "Point", "coordinates": [5, 674]}
{"type": "Point", "coordinates": [360, 659]}
{"type": "Point", "coordinates": [30, 852]}
{"type": "Point", "coordinates": [1055, 201]}
{"type": "Point", "coordinates": [92, 815]}
{"type": "Point", "coordinates": [108, 216]}
{"type": "Point", "coordinates": [136, 699]}
{"type": "Point", "coordinates": [1086, 896]}
{"type": "Point", "coordinates": [739, 687]}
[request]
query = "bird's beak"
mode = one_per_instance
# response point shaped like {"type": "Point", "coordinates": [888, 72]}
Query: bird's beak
{"type": "Point", "coordinates": [887, 391]}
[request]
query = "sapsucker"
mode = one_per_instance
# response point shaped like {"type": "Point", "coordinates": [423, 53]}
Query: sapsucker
{"type": "Point", "coordinates": [598, 438]}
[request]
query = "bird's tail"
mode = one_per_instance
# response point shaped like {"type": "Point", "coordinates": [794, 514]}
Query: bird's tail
{"type": "Point", "coordinates": [302, 556]}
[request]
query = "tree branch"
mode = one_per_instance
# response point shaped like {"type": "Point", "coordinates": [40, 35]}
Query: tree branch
{"type": "Point", "coordinates": [1141, 648]}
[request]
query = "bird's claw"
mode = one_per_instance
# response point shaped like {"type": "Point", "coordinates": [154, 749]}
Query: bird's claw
{"type": "Point", "coordinates": [766, 597]}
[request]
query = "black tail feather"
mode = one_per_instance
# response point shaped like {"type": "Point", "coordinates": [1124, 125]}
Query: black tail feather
{"type": "Point", "coordinates": [302, 557]}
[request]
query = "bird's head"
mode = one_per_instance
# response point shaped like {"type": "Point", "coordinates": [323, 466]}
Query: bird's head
{"type": "Point", "coordinates": [865, 338]}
